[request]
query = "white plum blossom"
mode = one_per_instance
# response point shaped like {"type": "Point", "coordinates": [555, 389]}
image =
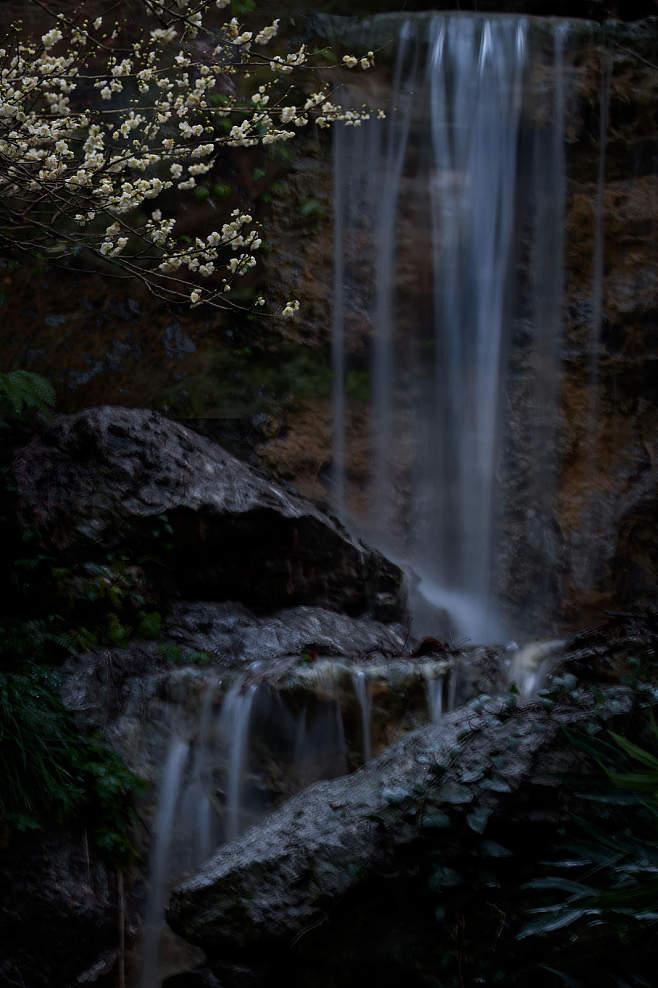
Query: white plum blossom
{"type": "Point", "coordinates": [268, 33]}
{"type": "Point", "coordinates": [80, 174]}
{"type": "Point", "coordinates": [51, 38]}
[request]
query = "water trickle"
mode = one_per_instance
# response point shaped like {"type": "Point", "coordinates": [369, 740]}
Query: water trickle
{"type": "Point", "coordinates": [362, 692]}
{"type": "Point", "coordinates": [203, 771]}
{"type": "Point", "coordinates": [434, 690]}
{"type": "Point", "coordinates": [587, 565]}
{"type": "Point", "coordinates": [444, 245]}
{"type": "Point", "coordinates": [234, 725]}
{"type": "Point", "coordinates": [160, 872]}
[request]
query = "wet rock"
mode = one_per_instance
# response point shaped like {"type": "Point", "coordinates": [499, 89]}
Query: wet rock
{"type": "Point", "coordinates": [134, 694]}
{"type": "Point", "coordinates": [112, 479]}
{"type": "Point", "coordinates": [238, 636]}
{"type": "Point", "coordinates": [52, 895]}
{"type": "Point", "coordinates": [339, 875]}
{"type": "Point", "coordinates": [206, 639]}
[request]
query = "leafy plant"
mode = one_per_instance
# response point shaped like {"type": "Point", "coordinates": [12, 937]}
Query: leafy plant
{"type": "Point", "coordinates": [241, 7]}
{"type": "Point", "coordinates": [176, 655]}
{"type": "Point", "coordinates": [22, 391]}
{"type": "Point", "coordinates": [603, 883]}
{"type": "Point", "coordinates": [51, 773]}
{"type": "Point", "coordinates": [313, 209]}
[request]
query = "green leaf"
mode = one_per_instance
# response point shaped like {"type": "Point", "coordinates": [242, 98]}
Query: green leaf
{"type": "Point", "coordinates": [561, 885]}
{"type": "Point", "coordinates": [635, 752]}
{"type": "Point", "coordinates": [551, 924]}
{"type": "Point", "coordinates": [24, 391]}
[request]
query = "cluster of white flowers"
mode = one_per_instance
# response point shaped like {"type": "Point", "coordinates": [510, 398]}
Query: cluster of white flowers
{"type": "Point", "coordinates": [366, 62]}
{"type": "Point", "coordinates": [290, 309]}
{"type": "Point", "coordinates": [79, 172]}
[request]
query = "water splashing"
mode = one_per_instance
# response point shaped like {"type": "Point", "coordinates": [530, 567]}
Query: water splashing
{"type": "Point", "coordinates": [531, 664]}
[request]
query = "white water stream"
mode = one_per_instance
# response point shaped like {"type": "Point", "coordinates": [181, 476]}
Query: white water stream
{"type": "Point", "coordinates": [449, 263]}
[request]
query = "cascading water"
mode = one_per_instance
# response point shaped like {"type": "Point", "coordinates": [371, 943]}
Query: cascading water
{"type": "Point", "coordinates": [234, 730]}
{"type": "Point", "coordinates": [186, 828]}
{"type": "Point", "coordinates": [232, 750]}
{"type": "Point", "coordinates": [160, 869]}
{"type": "Point", "coordinates": [362, 691]}
{"type": "Point", "coordinates": [449, 264]}
{"type": "Point", "coordinates": [434, 687]}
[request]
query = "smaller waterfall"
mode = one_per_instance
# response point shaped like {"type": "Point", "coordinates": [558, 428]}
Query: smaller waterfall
{"type": "Point", "coordinates": [362, 691]}
{"type": "Point", "coordinates": [234, 725]}
{"type": "Point", "coordinates": [434, 690]}
{"type": "Point", "coordinates": [203, 776]}
{"type": "Point", "coordinates": [530, 666]}
{"type": "Point", "coordinates": [319, 748]}
{"type": "Point", "coordinates": [262, 741]}
{"type": "Point", "coordinates": [160, 870]}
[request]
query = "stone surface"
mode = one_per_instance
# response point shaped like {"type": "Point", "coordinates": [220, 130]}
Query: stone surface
{"type": "Point", "coordinates": [237, 637]}
{"type": "Point", "coordinates": [305, 656]}
{"type": "Point", "coordinates": [58, 924]}
{"type": "Point", "coordinates": [113, 479]}
{"type": "Point", "coordinates": [292, 889]}
{"type": "Point", "coordinates": [134, 694]}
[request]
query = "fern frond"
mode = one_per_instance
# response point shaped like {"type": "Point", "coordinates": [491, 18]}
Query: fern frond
{"type": "Point", "coordinates": [24, 391]}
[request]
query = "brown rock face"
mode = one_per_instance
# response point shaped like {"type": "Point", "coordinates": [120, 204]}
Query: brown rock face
{"type": "Point", "coordinates": [109, 479]}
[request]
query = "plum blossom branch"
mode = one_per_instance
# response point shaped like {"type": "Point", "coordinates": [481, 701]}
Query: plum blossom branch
{"type": "Point", "coordinates": [100, 127]}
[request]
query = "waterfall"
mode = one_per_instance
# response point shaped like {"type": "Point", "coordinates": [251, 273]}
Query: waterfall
{"type": "Point", "coordinates": [362, 692]}
{"type": "Point", "coordinates": [202, 777]}
{"type": "Point", "coordinates": [434, 690]}
{"type": "Point", "coordinates": [592, 507]}
{"type": "Point", "coordinates": [160, 868]}
{"type": "Point", "coordinates": [235, 720]}
{"type": "Point", "coordinates": [449, 235]}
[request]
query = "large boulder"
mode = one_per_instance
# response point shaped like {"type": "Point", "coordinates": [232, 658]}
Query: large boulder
{"type": "Point", "coordinates": [336, 885]}
{"type": "Point", "coordinates": [120, 480]}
